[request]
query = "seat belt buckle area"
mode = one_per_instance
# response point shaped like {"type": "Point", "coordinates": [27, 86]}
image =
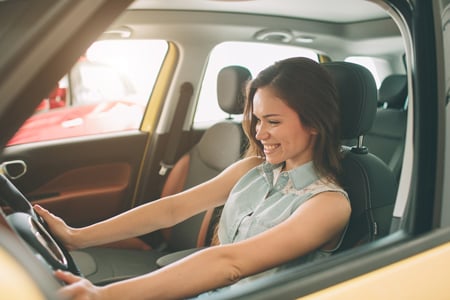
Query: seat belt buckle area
{"type": "Point", "coordinates": [164, 168]}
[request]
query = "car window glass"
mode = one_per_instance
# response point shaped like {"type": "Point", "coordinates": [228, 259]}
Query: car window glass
{"type": "Point", "coordinates": [243, 54]}
{"type": "Point", "coordinates": [107, 90]}
{"type": "Point", "coordinates": [379, 68]}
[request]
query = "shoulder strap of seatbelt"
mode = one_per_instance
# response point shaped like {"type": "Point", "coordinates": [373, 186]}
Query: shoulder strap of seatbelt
{"type": "Point", "coordinates": [186, 91]}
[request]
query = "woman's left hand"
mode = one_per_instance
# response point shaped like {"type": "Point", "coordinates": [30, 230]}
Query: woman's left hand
{"type": "Point", "coordinates": [78, 288]}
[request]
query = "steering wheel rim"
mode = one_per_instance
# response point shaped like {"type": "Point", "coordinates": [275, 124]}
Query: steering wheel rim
{"type": "Point", "coordinates": [33, 229]}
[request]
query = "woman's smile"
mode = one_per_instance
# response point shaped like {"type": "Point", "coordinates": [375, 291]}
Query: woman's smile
{"type": "Point", "coordinates": [270, 148]}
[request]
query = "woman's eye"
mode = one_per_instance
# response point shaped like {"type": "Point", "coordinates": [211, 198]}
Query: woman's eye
{"type": "Point", "coordinates": [273, 122]}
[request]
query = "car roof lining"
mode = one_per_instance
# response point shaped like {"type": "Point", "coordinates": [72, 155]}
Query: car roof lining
{"type": "Point", "coordinates": [354, 38]}
{"type": "Point", "coordinates": [325, 10]}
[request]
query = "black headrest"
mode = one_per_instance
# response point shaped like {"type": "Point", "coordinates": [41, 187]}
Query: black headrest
{"type": "Point", "coordinates": [231, 82]}
{"type": "Point", "coordinates": [357, 95]}
{"type": "Point", "coordinates": [393, 91]}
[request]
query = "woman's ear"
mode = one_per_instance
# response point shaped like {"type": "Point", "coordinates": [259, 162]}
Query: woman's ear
{"type": "Point", "coordinates": [313, 131]}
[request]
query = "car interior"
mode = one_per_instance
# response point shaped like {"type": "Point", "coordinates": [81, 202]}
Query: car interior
{"type": "Point", "coordinates": [86, 178]}
{"type": "Point", "coordinates": [221, 145]}
{"type": "Point", "coordinates": [386, 138]}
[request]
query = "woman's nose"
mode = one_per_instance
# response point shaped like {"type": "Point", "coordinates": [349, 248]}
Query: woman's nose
{"type": "Point", "coordinates": [261, 132]}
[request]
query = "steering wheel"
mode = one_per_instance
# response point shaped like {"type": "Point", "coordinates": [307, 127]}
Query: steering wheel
{"type": "Point", "coordinates": [33, 229]}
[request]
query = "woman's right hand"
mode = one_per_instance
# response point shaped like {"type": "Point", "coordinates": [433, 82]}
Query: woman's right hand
{"type": "Point", "coordinates": [58, 227]}
{"type": "Point", "coordinates": [79, 288]}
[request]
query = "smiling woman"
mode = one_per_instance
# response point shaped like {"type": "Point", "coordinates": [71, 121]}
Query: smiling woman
{"type": "Point", "coordinates": [398, 232]}
{"type": "Point", "coordinates": [310, 93]}
{"type": "Point", "coordinates": [288, 191]}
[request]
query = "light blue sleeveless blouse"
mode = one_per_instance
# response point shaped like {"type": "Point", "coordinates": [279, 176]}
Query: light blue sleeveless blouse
{"type": "Point", "coordinates": [265, 197]}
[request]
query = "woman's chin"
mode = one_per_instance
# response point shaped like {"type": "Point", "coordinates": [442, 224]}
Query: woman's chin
{"type": "Point", "coordinates": [273, 160]}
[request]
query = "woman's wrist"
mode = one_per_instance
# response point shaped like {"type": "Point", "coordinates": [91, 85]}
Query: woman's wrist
{"type": "Point", "coordinates": [117, 290]}
{"type": "Point", "coordinates": [75, 240]}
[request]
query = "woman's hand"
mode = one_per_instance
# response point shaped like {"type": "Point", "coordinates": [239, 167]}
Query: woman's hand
{"type": "Point", "coordinates": [79, 288]}
{"type": "Point", "coordinates": [58, 227]}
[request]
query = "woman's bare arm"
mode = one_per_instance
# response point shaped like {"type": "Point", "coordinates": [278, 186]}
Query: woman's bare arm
{"type": "Point", "coordinates": [155, 215]}
{"type": "Point", "coordinates": [317, 222]}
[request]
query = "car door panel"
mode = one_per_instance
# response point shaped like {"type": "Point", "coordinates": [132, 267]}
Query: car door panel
{"type": "Point", "coordinates": [82, 180]}
{"type": "Point", "coordinates": [101, 189]}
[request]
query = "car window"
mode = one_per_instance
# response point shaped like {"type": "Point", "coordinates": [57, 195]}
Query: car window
{"type": "Point", "coordinates": [243, 54]}
{"type": "Point", "coordinates": [379, 68]}
{"type": "Point", "coordinates": [107, 90]}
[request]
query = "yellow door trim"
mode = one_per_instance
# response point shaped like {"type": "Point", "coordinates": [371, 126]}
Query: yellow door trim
{"type": "Point", "coordinates": [161, 87]}
{"type": "Point", "coordinates": [422, 276]}
{"type": "Point", "coordinates": [324, 58]}
{"type": "Point", "coordinates": [156, 102]}
{"type": "Point", "coordinates": [15, 283]}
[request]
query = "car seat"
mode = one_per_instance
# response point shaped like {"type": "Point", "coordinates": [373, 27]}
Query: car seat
{"type": "Point", "coordinates": [369, 182]}
{"type": "Point", "coordinates": [393, 91]}
{"type": "Point", "coordinates": [386, 138]}
{"type": "Point", "coordinates": [220, 146]}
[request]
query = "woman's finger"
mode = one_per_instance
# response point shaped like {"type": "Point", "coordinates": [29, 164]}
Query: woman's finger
{"type": "Point", "coordinates": [77, 287]}
{"type": "Point", "coordinates": [41, 212]}
{"type": "Point", "coordinates": [67, 277]}
{"type": "Point", "coordinates": [70, 291]}
{"type": "Point", "coordinates": [39, 209]}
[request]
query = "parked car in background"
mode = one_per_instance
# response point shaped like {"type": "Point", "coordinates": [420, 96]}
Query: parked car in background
{"type": "Point", "coordinates": [86, 138]}
{"type": "Point", "coordinates": [105, 91]}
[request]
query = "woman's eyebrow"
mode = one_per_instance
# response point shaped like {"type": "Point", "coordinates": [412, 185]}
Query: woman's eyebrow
{"type": "Point", "coordinates": [266, 116]}
{"type": "Point", "coordinates": [271, 115]}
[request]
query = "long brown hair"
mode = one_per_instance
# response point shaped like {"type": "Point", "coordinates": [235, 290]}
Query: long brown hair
{"type": "Point", "coordinates": [306, 87]}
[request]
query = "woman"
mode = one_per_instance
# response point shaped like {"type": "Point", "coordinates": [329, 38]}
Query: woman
{"type": "Point", "coordinates": [284, 197]}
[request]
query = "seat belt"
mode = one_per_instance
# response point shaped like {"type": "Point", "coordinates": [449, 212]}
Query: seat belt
{"type": "Point", "coordinates": [186, 92]}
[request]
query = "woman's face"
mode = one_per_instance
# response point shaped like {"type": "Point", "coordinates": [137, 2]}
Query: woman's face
{"type": "Point", "coordinates": [281, 131]}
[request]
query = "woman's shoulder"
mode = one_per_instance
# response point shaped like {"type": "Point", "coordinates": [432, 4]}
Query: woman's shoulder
{"type": "Point", "coordinates": [327, 186]}
{"type": "Point", "coordinates": [248, 163]}
{"type": "Point", "coordinates": [243, 166]}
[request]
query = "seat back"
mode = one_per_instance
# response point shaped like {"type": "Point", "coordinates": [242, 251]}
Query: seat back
{"type": "Point", "coordinates": [386, 138]}
{"type": "Point", "coordinates": [220, 146]}
{"type": "Point", "coordinates": [393, 91]}
{"type": "Point", "coordinates": [368, 181]}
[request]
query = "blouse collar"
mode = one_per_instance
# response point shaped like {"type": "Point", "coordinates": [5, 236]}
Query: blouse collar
{"type": "Point", "coordinates": [301, 176]}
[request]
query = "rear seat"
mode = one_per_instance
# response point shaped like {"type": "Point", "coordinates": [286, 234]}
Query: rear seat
{"type": "Point", "coordinates": [387, 136]}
